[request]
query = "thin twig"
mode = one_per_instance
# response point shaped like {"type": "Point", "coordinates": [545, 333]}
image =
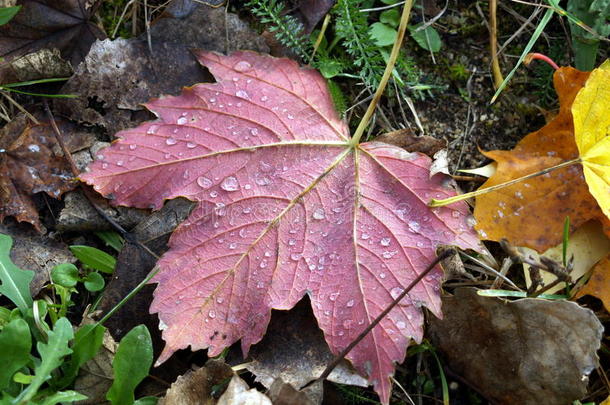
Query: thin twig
{"type": "Point", "coordinates": [520, 29]}
{"type": "Point", "coordinates": [147, 27]}
{"type": "Point", "coordinates": [423, 19]}
{"type": "Point", "coordinates": [118, 24]}
{"type": "Point", "coordinates": [442, 256]}
{"type": "Point", "coordinates": [426, 24]}
{"type": "Point", "coordinates": [20, 108]}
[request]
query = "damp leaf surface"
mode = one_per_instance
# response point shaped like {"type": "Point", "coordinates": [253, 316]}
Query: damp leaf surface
{"type": "Point", "coordinates": [287, 205]}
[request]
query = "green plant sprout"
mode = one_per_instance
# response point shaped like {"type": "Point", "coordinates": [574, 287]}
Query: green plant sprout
{"type": "Point", "coordinates": [42, 354]}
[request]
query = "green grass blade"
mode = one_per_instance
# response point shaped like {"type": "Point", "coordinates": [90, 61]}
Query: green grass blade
{"type": "Point", "coordinates": [38, 81]}
{"type": "Point", "coordinates": [545, 20]}
{"type": "Point", "coordinates": [27, 93]}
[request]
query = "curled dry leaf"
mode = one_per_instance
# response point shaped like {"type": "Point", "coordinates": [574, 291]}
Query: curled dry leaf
{"type": "Point", "coordinates": [31, 161]}
{"type": "Point", "coordinates": [238, 393]}
{"type": "Point", "coordinates": [195, 387]}
{"type": "Point", "coordinates": [287, 204]}
{"type": "Point", "coordinates": [528, 351]}
{"type": "Point", "coordinates": [532, 213]}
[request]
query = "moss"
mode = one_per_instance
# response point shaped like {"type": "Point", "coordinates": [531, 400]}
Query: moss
{"type": "Point", "coordinates": [110, 14]}
{"type": "Point", "coordinates": [458, 72]}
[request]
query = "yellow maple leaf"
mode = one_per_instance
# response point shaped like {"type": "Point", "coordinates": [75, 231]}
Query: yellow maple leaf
{"type": "Point", "coordinates": [591, 112]}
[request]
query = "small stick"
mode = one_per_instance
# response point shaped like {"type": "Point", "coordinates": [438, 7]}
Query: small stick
{"type": "Point", "coordinates": [442, 256]}
{"type": "Point", "coordinates": [493, 43]}
{"type": "Point", "coordinates": [460, 177]}
{"type": "Point", "coordinates": [561, 273]}
{"type": "Point", "coordinates": [60, 140]}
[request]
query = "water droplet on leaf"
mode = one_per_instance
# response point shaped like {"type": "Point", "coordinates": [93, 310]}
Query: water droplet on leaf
{"type": "Point", "coordinates": [242, 66]}
{"type": "Point", "coordinates": [204, 182]}
{"type": "Point", "coordinates": [319, 214]}
{"type": "Point", "coordinates": [242, 94]}
{"type": "Point", "coordinates": [230, 184]}
{"type": "Point", "coordinates": [395, 292]}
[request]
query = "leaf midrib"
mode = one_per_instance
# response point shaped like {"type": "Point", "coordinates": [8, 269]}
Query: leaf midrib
{"type": "Point", "coordinates": [241, 149]}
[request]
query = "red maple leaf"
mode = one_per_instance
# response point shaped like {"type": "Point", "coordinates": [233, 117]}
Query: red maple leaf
{"type": "Point", "coordinates": [288, 205]}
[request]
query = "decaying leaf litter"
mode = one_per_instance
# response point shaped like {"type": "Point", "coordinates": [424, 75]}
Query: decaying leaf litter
{"type": "Point", "coordinates": [220, 213]}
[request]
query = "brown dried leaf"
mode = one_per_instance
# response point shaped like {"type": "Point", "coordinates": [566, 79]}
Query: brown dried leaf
{"type": "Point", "coordinates": [238, 393]}
{"type": "Point", "coordinates": [528, 351]}
{"type": "Point", "coordinates": [95, 377]}
{"type": "Point", "coordinates": [282, 393]}
{"type": "Point", "coordinates": [195, 387]}
{"type": "Point", "coordinates": [42, 64]}
{"type": "Point", "coordinates": [31, 161]}
{"type": "Point", "coordinates": [312, 11]}
{"type": "Point", "coordinates": [406, 139]}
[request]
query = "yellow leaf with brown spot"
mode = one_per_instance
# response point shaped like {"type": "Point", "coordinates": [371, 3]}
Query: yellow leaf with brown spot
{"type": "Point", "coordinates": [532, 212]}
{"type": "Point", "coordinates": [599, 284]}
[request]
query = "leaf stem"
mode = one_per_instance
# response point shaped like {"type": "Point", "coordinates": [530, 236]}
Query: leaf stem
{"type": "Point", "coordinates": [320, 37]}
{"type": "Point", "coordinates": [481, 191]}
{"type": "Point", "coordinates": [404, 19]}
{"type": "Point", "coordinates": [539, 56]}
